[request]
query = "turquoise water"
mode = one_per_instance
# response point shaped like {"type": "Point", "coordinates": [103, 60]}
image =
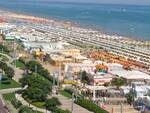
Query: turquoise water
{"type": "Point", "coordinates": [132, 21]}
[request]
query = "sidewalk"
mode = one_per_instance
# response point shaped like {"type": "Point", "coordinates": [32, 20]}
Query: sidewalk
{"type": "Point", "coordinates": [11, 90]}
{"type": "Point", "coordinates": [18, 74]}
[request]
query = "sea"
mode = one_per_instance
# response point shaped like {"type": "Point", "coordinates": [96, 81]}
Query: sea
{"type": "Point", "coordinates": [126, 20]}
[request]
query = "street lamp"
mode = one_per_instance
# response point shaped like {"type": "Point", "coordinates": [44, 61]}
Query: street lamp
{"type": "Point", "coordinates": [72, 105]}
{"type": "Point", "coordinates": [35, 68]}
{"type": "Point", "coordinates": [14, 52]}
{"type": "Point", "coordinates": [53, 88]}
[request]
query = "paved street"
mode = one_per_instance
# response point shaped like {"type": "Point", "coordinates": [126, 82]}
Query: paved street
{"type": "Point", "coordinates": [67, 103]}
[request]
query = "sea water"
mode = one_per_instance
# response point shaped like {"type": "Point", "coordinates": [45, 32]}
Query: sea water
{"type": "Point", "coordinates": [126, 20]}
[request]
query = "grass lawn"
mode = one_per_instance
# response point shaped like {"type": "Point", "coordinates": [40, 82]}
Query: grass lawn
{"type": "Point", "coordinates": [38, 104]}
{"type": "Point", "coordinates": [19, 64]}
{"type": "Point", "coordinates": [38, 112]}
{"type": "Point", "coordinates": [66, 94]}
{"type": "Point", "coordinates": [9, 96]}
{"type": "Point", "coordinates": [13, 84]}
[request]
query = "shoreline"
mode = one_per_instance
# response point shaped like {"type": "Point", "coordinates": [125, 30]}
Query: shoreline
{"type": "Point", "coordinates": [30, 17]}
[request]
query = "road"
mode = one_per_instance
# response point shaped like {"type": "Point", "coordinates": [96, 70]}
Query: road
{"type": "Point", "coordinates": [67, 103]}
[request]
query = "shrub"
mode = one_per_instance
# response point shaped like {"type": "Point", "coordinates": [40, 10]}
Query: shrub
{"type": "Point", "coordinates": [58, 110]}
{"type": "Point", "coordinates": [8, 70]}
{"type": "Point", "coordinates": [16, 103]}
{"type": "Point", "coordinates": [6, 82]}
{"type": "Point", "coordinates": [87, 104]}
{"type": "Point", "coordinates": [25, 109]}
{"type": "Point", "coordinates": [5, 49]}
{"type": "Point", "coordinates": [5, 78]}
{"type": "Point", "coordinates": [51, 104]}
{"type": "Point", "coordinates": [69, 90]}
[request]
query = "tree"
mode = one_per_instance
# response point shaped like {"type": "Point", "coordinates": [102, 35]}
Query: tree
{"type": "Point", "coordinates": [118, 82]}
{"type": "Point", "coordinates": [16, 103]}
{"type": "Point", "coordinates": [51, 104]}
{"type": "Point", "coordinates": [25, 109]}
{"type": "Point", "coordinates": [32, 64]}
{"type": "Point", "coordinates": [35, 94]}
{"type": "Point", "coordinates": [4, 49]}
{"type": "Point", "coordinates": [35, 66]}
{"type": "Point", "coordinates": [84, 77]}
{"type": "Point", "coordinates": [38, 87]}
{"type": "Point", "coordinates": [8, 70]}
{"type": "Point", "coordinates": [44, 72]}
{"type": "Point", "coordinates": [130, 98]}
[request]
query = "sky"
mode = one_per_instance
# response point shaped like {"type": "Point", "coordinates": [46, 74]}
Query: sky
{"type": "Point", "coordinates": [138, 2]}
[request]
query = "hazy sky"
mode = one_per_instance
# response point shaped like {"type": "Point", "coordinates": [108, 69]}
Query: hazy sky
{"type": "Point", "coordinates": [142, 2]}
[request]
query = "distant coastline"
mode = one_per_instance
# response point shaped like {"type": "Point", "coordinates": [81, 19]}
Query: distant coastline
{"type": "Point", "coordinates": [125, 20]}
{"type": "Point", "coordinates": [21, 15]}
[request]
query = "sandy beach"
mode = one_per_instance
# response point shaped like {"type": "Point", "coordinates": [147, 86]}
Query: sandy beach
{"type": "Point", "coordinates": [8, 16]}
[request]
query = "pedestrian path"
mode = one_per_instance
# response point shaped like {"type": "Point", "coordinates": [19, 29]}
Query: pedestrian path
{"type": "Point", "coordinates": [18, 74]}
{"type": "Point", "coordinates": [11, 90]}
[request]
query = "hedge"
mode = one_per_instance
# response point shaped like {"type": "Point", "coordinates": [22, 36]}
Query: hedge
{"type": "Point", "coordinates": [59, 110]}
{"type": "Point", "coordinates": [87, 104]}
{"type": "Point", "coordinates": [8, 70]}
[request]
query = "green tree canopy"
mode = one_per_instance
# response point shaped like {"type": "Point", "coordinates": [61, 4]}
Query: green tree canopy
{"type": "Point", "coordinates": [25, 109]}
{"type": "Point", "coordinates": [130, 98]}
{"type": "Point", "coordinates": [38, 88]}
{"type": "Point", "coordinates": [4, 49]}
{"type": "Point", "coordinates": [52, 103]}
{"type": "Point", "coordinates": [32, 65]}
{"type": "Point", "coordinates": [36, 66]}
{"type": "Point", "coordinates": [84, 77]}
{"type": "Point", "coordinates": [8, 70]}
{"type": "Point", "coordinates": [118, 82]}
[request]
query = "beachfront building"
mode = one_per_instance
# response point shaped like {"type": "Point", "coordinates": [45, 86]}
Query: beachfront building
{"type": "Point", "coordinates": [113, 69]}
{"type": "Point", "coordinates": [6, 28]}
{"type": "Point", "coordinates": [129, 75]}
{"type": "Point", "coordinates": [71, 52]}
